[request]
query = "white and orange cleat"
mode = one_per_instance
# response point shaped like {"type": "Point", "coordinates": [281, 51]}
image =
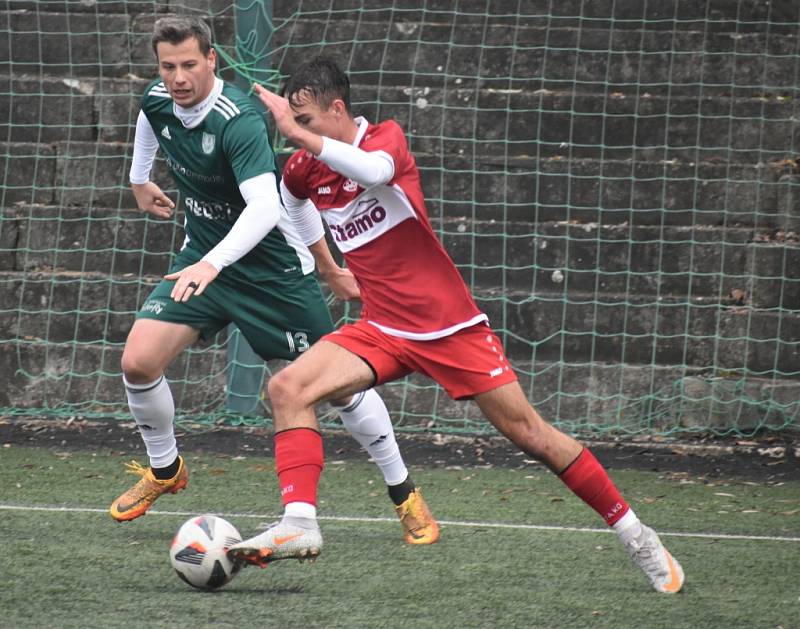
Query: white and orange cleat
{"type": "Point", "coordinates": [647, 551]}
{"type": "Point", "coordinates": [291, 538]}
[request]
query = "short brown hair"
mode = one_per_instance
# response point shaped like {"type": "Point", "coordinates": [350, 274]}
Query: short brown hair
{"type": "Point", "coordinates": [322, 79]}
{"type": "Point", "coordinates": [177, 29]}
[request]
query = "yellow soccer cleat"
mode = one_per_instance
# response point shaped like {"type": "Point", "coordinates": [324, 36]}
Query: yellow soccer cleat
{"type": "Point", "coordinates": [419, 525]}
{"type": "Point", "coordinates": [138, 499]}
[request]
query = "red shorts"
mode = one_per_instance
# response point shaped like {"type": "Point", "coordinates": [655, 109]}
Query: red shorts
{"type": "Point", "coordinates": [466, 363]}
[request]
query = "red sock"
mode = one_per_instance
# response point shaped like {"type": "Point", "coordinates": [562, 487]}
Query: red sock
{"type": "Point", "coordinates": [590, 482]}
{"type": "Point", "coordinates": [298, 461]}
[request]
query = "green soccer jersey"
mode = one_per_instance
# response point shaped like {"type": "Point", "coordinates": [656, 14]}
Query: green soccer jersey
{"type": "Point", "coordinates": [208, 162]}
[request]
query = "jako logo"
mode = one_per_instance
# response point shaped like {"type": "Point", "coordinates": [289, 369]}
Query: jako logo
{"type": "Point", "coordinates": [324, 190]}
{"type": "Point", "coordinates": [365, 220]}
{"type": "Point", "coordinates": [614, 510]}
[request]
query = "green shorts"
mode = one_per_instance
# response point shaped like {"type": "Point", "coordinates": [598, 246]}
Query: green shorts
{"type": "Point", "coordinates": [279, 319]}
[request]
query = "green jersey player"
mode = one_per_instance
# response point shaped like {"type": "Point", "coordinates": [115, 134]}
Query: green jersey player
{"type": "Point", "coordinates": [242, 262]}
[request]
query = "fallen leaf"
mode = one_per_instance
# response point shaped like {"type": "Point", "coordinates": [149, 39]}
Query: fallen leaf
{"type": "Point", "coordinates": [738, 295]}
{"type": "Point", "coordinates": [776, 453]}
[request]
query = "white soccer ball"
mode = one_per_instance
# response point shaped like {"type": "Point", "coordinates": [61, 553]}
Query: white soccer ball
{"type": "Point", "coordinates": [199, 551]}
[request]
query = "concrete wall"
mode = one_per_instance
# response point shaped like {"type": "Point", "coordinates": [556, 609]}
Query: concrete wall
{"type": "Point", "coordinates": [618, 187]}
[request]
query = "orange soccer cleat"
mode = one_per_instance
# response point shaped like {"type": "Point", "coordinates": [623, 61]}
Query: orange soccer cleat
{"type": "Point", "coordinates": [419, 525]}
{"type": "Point", "coordinates": [138, 499]}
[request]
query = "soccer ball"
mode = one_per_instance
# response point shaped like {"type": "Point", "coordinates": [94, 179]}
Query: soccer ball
{"type": "Point", "coordinates": [199, 552]}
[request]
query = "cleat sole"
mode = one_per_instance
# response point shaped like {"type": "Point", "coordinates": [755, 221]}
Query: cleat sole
{"type": "Point", "coordinates": [262, 557]}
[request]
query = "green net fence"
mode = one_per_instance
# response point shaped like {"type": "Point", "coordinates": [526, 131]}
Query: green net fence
{"type": "Point", "coordinates": [617, 180]}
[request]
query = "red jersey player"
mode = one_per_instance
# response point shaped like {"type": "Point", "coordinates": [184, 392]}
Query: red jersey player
{"type": "Point", "coordinates": [418, 316]}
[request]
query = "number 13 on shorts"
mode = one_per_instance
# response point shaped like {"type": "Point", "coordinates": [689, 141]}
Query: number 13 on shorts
{"type": "Point", "coordinates": [298, 341]}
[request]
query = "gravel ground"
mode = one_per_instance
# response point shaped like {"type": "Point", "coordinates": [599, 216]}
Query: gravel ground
{"type": "Point", "coordinates": [768, 458]}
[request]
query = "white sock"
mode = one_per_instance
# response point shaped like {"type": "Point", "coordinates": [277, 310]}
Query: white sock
{"type": "Point", "coordinates": [153, 410]}
{"type": "Point", "coordinates": [303, 510]}
{"type": "Point", "coordinates": [367, 420]}
{"type": "Point", "coordinates": [627, 526]}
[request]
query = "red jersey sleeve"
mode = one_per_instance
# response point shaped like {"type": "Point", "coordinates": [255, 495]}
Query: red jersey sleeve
{"type": "Point", "coordinates": [295, 174]}
{"type": "Point", "coordinates": [388, 137]}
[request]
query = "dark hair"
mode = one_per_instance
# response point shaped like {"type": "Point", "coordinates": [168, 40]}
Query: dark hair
{"type": "Point", "coordinates": [177, 29]}
{"type": "Point", "coordinates": [322, 79]}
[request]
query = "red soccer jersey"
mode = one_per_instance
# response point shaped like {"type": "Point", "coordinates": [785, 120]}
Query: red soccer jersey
{"type": "Point", "coordinates": [409, 285]}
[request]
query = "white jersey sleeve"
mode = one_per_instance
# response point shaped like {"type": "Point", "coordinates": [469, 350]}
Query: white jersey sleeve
{"type": "Point", "coordinates": [145, 147]}
{"type": "Point", "coordinates": [367, 168]}
{"type": "Point", "coordinates": [259, 217]}
{"type": "Point", "coordinates": [304, 215]}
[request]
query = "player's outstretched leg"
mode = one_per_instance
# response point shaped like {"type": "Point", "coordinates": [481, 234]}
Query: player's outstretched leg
{"type": "Point", "coordinates": [589, 480]}
{"type": "Point", "coordinates": [298, 461]}
{"type": "Point", "coordinates": [508, 409]}
{"type": "Point", "coordinates": [366, 418]}
{"type": "Point", "coordinates": [138, 499]}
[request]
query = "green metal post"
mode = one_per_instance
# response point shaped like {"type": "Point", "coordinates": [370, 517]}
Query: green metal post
{"type": "Point", "coordinates": [246, 369]}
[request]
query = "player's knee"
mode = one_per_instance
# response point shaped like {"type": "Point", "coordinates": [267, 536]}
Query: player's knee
{"type": "Point", "coordinates": [283, 389]}
{"type": "Point", "coordinates": [137, 369]}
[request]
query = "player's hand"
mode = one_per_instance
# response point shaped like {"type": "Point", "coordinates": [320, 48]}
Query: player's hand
{"type": "Point", "coordinates": [280, 109]}
{"type": "Point", "coordinates": [342, 283]}
{"type": "Point", "coordinates": [192, 280]}
{"type": "Point", "coordinates": [151, 199]}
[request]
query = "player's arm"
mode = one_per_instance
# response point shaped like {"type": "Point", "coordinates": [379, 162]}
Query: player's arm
{"type": "Point", "coordinates": [260, 215]}
{"type": "Point", "coordinates": [367, 168]}
{"type": "Point", "coordinates": [309, 227]}
{"type": "Point", "coordinates": [149, 197]}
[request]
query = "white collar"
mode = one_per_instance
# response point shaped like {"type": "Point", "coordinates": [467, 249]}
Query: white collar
{"type": "Point", "coordinates": [362, 123]}
{"type": "Point", "coordinates": [192, 116]}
